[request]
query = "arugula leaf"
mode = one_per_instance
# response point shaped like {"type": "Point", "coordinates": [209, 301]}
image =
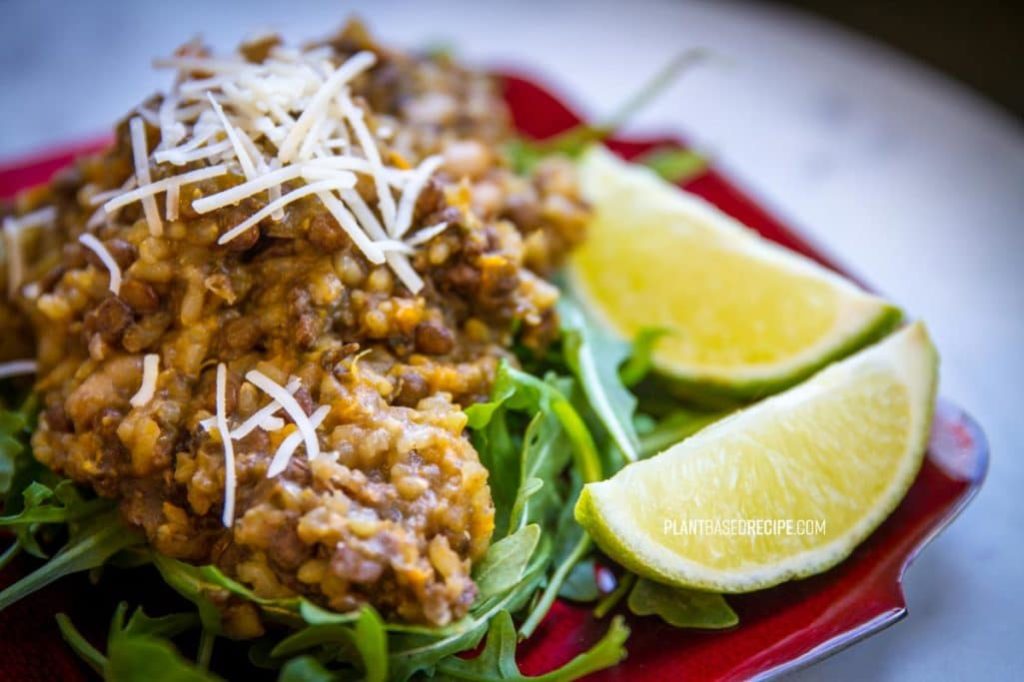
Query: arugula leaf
{"type": "Point", "coordinates": [545, 454]}
{"type": "Point", "coordinates": [338, 638]}
{"type": "Point", "coordinates": [681, 607]}
{"type": "Point", "coordinates": [497, 661]}
{"type": "Point", "coordinates": [523, 155]}
{"type": "Point", "coordinates": [679, 425]}
{"type": "Point", "coordinates": [499, 454]}
{"type": "Point", "coordinates": [506, 561]}
{"type": "Point", "coordinates": [138, 649]}
{"type": "Point", "coordinates": [540, 464]}
{"type": "Point", "coordinates": [315, 615]}
{"type": "Point", "coordinates": [90, 545]}
{"type": "Point", "coordinates": [305, 669]}
{"type": "Point", "coordinates": [571, 545]}
{"type": "Point", "coordinates": [594, 355]}
{"type": "Point", "coordinates": [612, 599]}
{"type": "Point", "coordinates": [14, 431]}
{"type": "Point", "coordinates": [19, 468]}
{"type": "Point", "coordinates": [372, 642]}
{"type": "Point", "coordinates": [170, 625]}
{"type": "Point", "coordinates": [187, 580]}
{"type": "Point", "coordinates": [43, 505]}
{"type": "Point", "coordinates": [207, 586]}
{"type": "Point", "coordinates": [538, 394]}
{"type": "Point", "coordinates": [580, 585]}
{"type": "Point", "coordinates": [133, 656]}
{"type": "Point", "coordinates": [80, 645]}
{"type": "Point", "coordinates": [516, 391]}
{"type": "Point", "coordinates": [207, 640]}
{"type": "Point", "coordinates": [640, 360]}
{"type": "Point", "coordinates": [415, 653]}
{"type": "Point", "coordinates": [9, 554]}
{"type": "Point", "coordinates": [287, 607]}
{"type": "Point", "coordinates": [674, 164]}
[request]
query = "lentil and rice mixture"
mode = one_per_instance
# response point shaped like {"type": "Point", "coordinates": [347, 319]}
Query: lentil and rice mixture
{"type": "Point", "coordinates": [396, 506]}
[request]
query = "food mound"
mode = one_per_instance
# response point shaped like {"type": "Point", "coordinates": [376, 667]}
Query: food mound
{"type": "Point", "coordinates": [258, 317]}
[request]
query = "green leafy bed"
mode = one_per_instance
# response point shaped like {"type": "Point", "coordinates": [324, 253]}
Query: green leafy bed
{"type": "Point", "coordinates": [576, 415]}
{"type": "Point", "coordinates": [560, 421]}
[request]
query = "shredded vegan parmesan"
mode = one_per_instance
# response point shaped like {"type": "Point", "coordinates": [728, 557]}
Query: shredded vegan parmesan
{"type": "Point", "coordinates": [290, 406]}
{"type": "Point", "coordinates": [172, 200]}
{"type": "Point", "coordinates": [317, 107]}
{"type": "Point", "coordinates": [13, 229]}
{"type": "Point", "coordinates": [426, 234]}
{"type": "Point", "coordinates": [291, 442]}
{"type": "Point", "coordinates": [259, 417]}
{"type": "Point", "coordinates": [271, 424]}
{"type": "Point", "coordinates": [240, 152]}
{"type": "Point", "coordinates": [141, 193]}
{"type": "Point", "coordinates": [385, 201]}
{"type": "Point", "coordinates": [289, 127]}
{"type": "Point", "coordinates": [17, 368]}
{"type": "Point", "coordinates": [411, 194]}
{"type": "Point", "coordinates": [140, 153]}
{"type": "Point", "coordinates": [343, 181]}
{"type": "Point", "coordinates": [229, 451]}
{"type": "Point", "coordinates": [97, 247]}
{"type": "Point", "coordinates": [150, 372]}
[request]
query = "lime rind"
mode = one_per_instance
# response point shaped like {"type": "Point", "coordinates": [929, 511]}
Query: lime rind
{"type": "Point", "coordinates": [604, 511]}
{"type": "Point", "coordinates": [861, 318]}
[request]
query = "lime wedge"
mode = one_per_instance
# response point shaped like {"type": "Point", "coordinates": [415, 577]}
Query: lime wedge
{"type": "Point", "coordinates": [781, 490]}
{"type": "Point", "coordinates": [746, 317]}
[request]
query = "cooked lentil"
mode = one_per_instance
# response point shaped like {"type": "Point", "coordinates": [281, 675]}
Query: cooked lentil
{"type": "Point", "coordinates": [398, 506]}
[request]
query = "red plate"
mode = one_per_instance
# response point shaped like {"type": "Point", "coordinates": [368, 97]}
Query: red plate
{"type": "Point", "coordinates": [780, 629]}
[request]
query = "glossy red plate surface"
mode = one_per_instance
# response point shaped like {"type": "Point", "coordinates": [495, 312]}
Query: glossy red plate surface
{"type": "Point", "coordinates": [780, 629]}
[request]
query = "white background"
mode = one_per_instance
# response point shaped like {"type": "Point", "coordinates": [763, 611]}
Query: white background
{"type": "Point", "coordinates": [909, 178]}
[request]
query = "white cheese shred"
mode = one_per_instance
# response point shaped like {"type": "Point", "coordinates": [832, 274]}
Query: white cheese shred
{"type": "Point", "coordinates": [172, 200]}
{"type": "Point", "coordinates": [290, 127]}
{"type": "Point", "coordinates": [291, 443]}
{"type": "Point", "coordinates": [411, 194]}
{"type": "Point", "coordinates": [229, 451]}
{"type": "Point", "coordinates": [318, 105]}
{"type": "Point", "coordinates": [396, 261]}
{"type": "Point", "coordinates": [12, 230]}
{"type": "Point", "coordinates": [341, 182]}
{"type": "Point", "coordinates": [236, 142]}
{"type": "Point", "coordinates": [246, 189]}
{"type": "Point", "coordinates": [426, 234]}
{"type": "Point", "coordinates": [348, 223]}
{"type": "Point", "coordinates": [97, 247]}
{"type": "Point", "coordinates": [18, 368]}
{"type": "Point", "coordinates": [140, 153]}
{"type": "Point", "coordinates": [261, 415]}
{"type": "Point", "coordinates": [385, 200]}
{"type": "Point", "coordinates": [271, 424]}
{"type": "Point", "coordinates": [290, 406]}
{"type": "Point", "coordinates": [141, 193]}
{"type": "Point", "coordinates": [150, 372]}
